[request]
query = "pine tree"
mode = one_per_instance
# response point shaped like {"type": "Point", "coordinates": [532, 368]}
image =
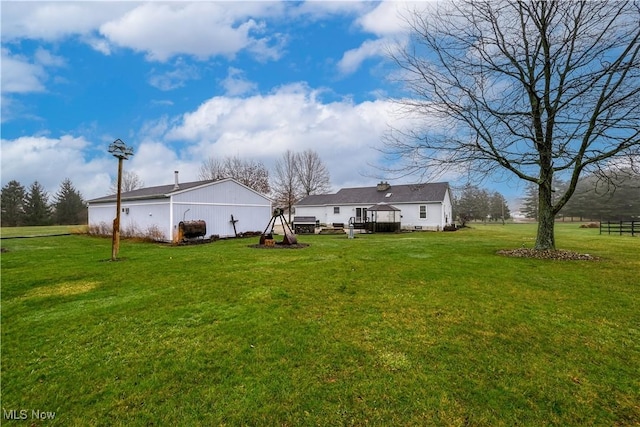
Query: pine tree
{"type": "Point", "coordinates": [498, 208]}
{"type": "Point", "coordinates": [12, 204]}
{"type": "Point", "coordinates": [530, 202]}
{"type": "Point", "coordinates": [70, 208]}
{"type": "Point", "coordinates": [473, 204]}
{"type": "Point", "coordinates": [37, 210]}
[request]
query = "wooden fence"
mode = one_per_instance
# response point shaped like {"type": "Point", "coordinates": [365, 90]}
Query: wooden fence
{"type": "Point", "coordinates": [620, 227]}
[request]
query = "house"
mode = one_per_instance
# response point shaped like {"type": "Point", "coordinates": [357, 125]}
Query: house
{"type": "Point", "coordinates": [409, 207]}
{"type": "Point", "coordinates": [162, 208]}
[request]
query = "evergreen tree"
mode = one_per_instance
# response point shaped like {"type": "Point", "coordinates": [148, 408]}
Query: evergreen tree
{"type": "Point", "coordinates": [12, 204]}
{"type": "Point", "coordinates": [70, 208]}
{"type": "Point", "coordinates": [472, 204]}
{"type": "Point", "coordinates": [530, 202]}
{"type": "Point", "coordinates": [498, 208]}
{"type": "Point", "coordinates": [37, 210]}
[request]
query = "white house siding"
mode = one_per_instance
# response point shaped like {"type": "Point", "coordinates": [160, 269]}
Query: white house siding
{"type": "Point", "coordinates": [216, 203]}
{"type": "Point", "coordinates": [320, 212]}
{"type": "Point", "coordinates": [411, 216]}
{"type": "Point", "coordinates": [436, 213]}
{"type": "Point", "coordinates": [447, 209]}
{"type": "Point", "coordinates": [326, 215]}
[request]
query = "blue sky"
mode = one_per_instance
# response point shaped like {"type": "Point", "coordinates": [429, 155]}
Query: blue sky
{"type": "Point", "coordinates": [184, 81]}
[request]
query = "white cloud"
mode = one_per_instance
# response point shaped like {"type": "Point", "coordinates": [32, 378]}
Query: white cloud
{"type": "Point", "coordinates": [352, 59]}
{"type": "Point", "coordinates": [387, 22]}
{"type": "Point", "coordinates": [387, 19]}
{"type": "Point", "coordinates": [202, 29]}
{"type": "Point", "coordinates": [292, 117]}
{"type": "Point", "coordinates": [52, 21]}
{"type": "Point", "coordinates": [51, 160]}
{"type": "Point", "coordinates": [236, 84]}
{"type": "Point", "coordinates": [316, 10]}
{"type": "Point", "coordinates": [101, 45]}
{"type": "Point", "coordinates": [23, 75]}
{"type": "Point", "coordinates": [161, 30]}
{"type": "Point", "coordinates": [175, 78]}
{"type": "Point", "coordinates": [47, 59]}
{"type": "Point", "coordinates": [20, 75]}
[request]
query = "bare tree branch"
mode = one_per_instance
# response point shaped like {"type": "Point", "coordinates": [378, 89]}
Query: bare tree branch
{"type": "Point", "coordinates": [534, 89]}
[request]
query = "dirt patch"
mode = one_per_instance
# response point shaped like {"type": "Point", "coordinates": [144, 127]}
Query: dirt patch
{"type": "Point", "coordinates": [559, 254]}
{"type": "Point", "coordinates": [280, 246]}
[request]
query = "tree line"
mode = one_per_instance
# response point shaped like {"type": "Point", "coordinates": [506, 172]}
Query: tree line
{"type": "Point", "coordinates": [607, 195]}
{"type": "Point", "coordinates": [32, 206]}
{"type": "Point", "coordinates": [473, 203]}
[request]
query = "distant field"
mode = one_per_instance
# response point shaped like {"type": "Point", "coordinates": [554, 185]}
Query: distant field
{"type": "Point", "coordinates": [45, 230]}
{"type": "Point", "coordinates": [387, 330]}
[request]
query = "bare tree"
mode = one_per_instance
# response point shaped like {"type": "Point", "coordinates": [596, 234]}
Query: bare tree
{"type": "Point", "coordinates": [211, 168]}
{"type": "Point", "coordinates": [286, 186]}
{"type": "Point", "coordinates": [530, 89]}
{"type": "Point", "coordinates": [313, 175]}
{"type": "Point", "coordinates": [248, 172]}
{"type": "Point", "coordinates": [130, 181]}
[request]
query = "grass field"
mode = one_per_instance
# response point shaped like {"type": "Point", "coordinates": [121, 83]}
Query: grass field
{"type": "Point", "coordinates": [44, 230]}
{"type": "Point", "coordinates": [386, 330]}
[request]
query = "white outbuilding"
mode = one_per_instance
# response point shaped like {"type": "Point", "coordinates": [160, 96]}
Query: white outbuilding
{"type": "Point", "coordinates": [227, 207]}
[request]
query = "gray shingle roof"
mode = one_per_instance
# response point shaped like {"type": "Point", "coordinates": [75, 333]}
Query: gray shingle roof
{"type": "Point", "coordinates": [406, 193]}
{"type": "Point", "coordinates": [158, 192]}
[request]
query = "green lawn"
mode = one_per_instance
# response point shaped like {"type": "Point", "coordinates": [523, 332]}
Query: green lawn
{"type": "Point", "coordinates": [41, 230]}
{"type": "Point", "coordinates": [410, 329]}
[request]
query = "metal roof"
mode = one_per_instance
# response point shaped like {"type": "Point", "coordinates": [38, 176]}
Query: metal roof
{"type": "Point", "coordinates": [393, 194]}
{"type": "Point", "coordinates": [157, 192]}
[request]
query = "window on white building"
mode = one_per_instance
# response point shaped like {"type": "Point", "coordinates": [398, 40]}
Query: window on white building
{"type": "Point", "coordinates": [423, 211]}
{"type": "Point", "coordinates": [336, 209]}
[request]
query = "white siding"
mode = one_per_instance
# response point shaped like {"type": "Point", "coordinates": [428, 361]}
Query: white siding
{"type": "Point", "coordinates": [326, 215]}
{"type": "Point", "coordinates": [447, 210]}
{"type": "Point", "coordinates": [136, 216]}
{"type": "Point", "coordinates": [320, 212]}
{"type": "Point", "coordinates": [102, 213]}
{"type": "Point", "coordinates": [214, 203]}
{"type": "Point", "coordinates": [223, 193]}
{"type": "Point", "coordinates": [411, 216]}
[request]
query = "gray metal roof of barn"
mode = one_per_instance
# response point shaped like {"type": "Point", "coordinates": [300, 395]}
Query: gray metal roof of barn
{"type": "Point", "coordinates": [157, 192]}
{"type": "Point", "coordinates": [406, 193]}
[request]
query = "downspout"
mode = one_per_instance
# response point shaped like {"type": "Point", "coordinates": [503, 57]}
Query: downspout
{"type": "Point", "coordinates": [170, 218]}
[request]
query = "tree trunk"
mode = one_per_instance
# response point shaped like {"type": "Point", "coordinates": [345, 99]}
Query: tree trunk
{"type": "Point", "coordinates": [545, 239]}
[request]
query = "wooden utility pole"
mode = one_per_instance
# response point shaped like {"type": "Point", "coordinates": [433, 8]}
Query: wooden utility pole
{"type": "Point", "coordinates": [120, 150]}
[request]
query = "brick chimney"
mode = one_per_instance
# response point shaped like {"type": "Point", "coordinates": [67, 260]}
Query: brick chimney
{"type": "Point", "coordinates": [383, 186]}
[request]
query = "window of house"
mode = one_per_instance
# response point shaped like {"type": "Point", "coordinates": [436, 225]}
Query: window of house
{"type": "Point", "coordinates": [336, 209]}
{"type": "Point", "coordinates": [423, 212]}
